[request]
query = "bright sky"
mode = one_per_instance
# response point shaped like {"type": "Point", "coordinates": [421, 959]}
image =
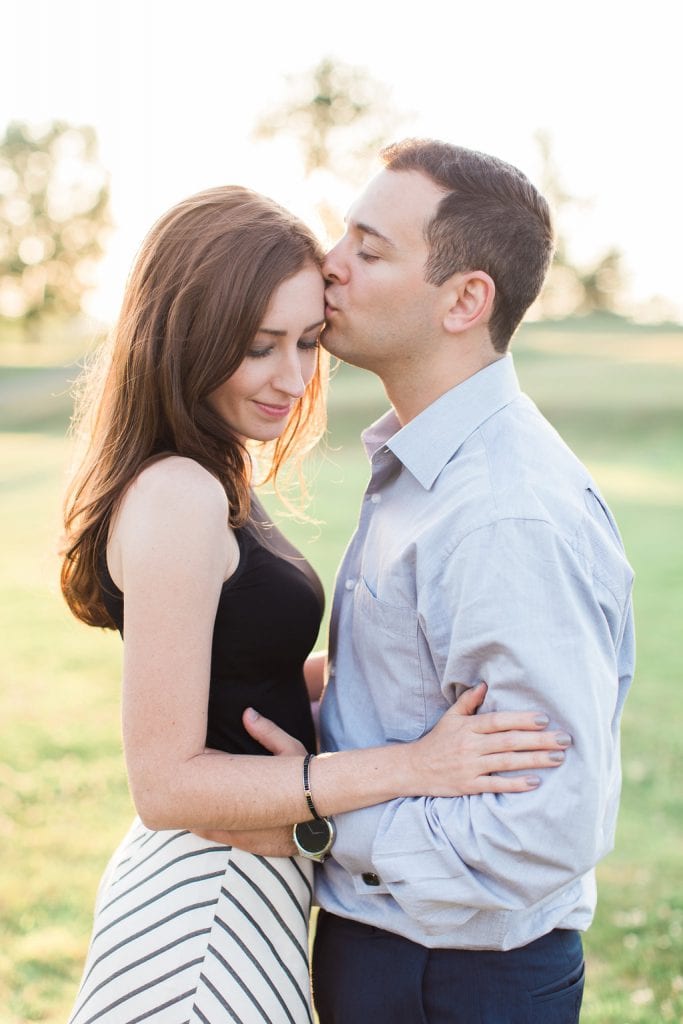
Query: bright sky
{"type": "Point", "coordinates": [174, 89]}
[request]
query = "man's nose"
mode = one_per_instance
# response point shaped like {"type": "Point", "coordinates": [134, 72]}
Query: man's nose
{"type": "Point", "coordinates": [334, 266]}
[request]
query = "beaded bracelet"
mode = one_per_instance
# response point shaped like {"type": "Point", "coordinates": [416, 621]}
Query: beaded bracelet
{"type": "Point", "coordinates": [307, 785]}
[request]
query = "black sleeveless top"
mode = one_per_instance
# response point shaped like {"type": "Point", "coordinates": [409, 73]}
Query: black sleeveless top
{"type": "Point", "coordinates": [266, 624]}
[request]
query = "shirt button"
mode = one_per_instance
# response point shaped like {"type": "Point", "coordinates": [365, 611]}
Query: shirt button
{"type": "Point", "coordinates": [370, 878]}
{"type": "Point", "coordinates": [375, 499]}
{"type": "Point", "coordinates": [350, 584]}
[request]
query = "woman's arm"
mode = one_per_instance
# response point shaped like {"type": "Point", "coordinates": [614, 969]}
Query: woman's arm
{"type": "Point", "coordinates": [170, 551]}
{"type": "Point", "coordinates": [496, 736]}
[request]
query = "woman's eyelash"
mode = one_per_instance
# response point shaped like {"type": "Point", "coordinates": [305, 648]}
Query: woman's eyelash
{"type": "Point", "coordinates": [305, 344]}
{"type": "Point", "coordinates": [368, 257]}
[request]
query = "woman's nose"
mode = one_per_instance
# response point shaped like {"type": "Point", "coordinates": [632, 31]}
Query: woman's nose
{"type": "Point", "coordinates": [290, 379]}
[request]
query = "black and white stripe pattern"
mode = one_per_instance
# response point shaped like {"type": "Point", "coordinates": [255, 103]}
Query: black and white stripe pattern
{"type": "Point", "coordinates": [192, 932]}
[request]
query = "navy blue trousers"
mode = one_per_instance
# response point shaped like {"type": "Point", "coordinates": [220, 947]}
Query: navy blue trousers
{"type": "Point", "coordinates": [361, 973]}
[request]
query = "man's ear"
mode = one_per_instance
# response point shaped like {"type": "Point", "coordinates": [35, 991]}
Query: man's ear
{"type": "Point", "coordinates": [470, 301]}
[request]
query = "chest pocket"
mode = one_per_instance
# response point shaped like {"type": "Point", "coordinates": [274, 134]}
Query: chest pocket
{"type": "Point", "coordinates": [385, 639]}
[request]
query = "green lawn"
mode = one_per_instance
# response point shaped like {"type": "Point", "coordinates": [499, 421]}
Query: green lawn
{"type": "Point", "coordinates": [63, 797]}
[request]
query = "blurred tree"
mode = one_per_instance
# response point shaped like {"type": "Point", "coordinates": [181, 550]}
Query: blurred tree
{"type": "Point", "coordinates": [340, 117]}
{"type": "Point", "coordinates": [602, 284]}
{"type": "Point", "coordinates": [54, 211]}
{"type": "Point", "coordinates": [571, 288]}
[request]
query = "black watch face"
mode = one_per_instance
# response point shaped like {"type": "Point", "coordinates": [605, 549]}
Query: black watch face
{"type": "Point", "coordinates": [314, 836]}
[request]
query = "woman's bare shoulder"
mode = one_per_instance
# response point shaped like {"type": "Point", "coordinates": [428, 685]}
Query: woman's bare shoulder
{"type": "Point", "coordinates": [178, 483]}
{"type": "Point", "coordinates": [173, 507]}
{"type": "Point", "coordinates": [174, 499]}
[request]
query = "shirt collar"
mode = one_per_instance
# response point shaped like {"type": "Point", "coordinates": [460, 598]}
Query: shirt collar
{"type": "Point", "coordinates": [428, 442]}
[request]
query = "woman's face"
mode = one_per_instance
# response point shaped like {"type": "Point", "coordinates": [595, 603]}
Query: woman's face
{"type": "Point", "coordinates": [258, 399]}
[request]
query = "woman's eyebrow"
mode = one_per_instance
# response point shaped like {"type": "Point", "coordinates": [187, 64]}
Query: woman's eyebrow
{"type": "Point", "coordinates": [282, 334]}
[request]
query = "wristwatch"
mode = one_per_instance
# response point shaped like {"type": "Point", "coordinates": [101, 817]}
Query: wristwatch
{"type": "Point", "coordinates": [314, 839]}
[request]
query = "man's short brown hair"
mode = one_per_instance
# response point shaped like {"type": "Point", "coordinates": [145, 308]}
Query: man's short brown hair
{"type": "Point", "coordinates": [491, 219]}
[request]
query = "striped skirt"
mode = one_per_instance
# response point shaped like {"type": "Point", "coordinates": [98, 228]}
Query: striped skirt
{"type": "Point", "coordinates": [192, 932]}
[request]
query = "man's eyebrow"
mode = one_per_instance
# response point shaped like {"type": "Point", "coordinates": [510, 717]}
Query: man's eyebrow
{"type": "Point", "coordinates": [366, 229]}
{"type": "Point", "coordinates": [283, 334]}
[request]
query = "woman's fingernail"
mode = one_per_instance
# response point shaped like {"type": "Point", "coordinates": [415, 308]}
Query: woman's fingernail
{"type": "Point", "coordinates": [251, 715]}
{"type": "Point", "coordinates": [556, 755]}
{"type": "Point", "coordinates": [563, 739]}
{"type": "Point", "coordinates": [542, 720]}
{"type": "Point", "coordinates": [532, 780]}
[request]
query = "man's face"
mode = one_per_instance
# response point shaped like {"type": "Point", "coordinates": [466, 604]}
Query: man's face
{"type": "Point", "coordinates": [380, 311]}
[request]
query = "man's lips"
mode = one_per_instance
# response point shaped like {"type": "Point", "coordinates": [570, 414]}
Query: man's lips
{"type": "Point", "coordinates": [329, 303]}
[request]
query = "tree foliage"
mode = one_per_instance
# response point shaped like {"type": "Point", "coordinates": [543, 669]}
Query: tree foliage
{"type": "Point", "coordinates": [338, 114]}
{"type": "Point", "coordinates": [572, 288]}
{"type": "Point", "coordinates": [340, 117]}
{"type": "Point", "coordinates": [54, 211]}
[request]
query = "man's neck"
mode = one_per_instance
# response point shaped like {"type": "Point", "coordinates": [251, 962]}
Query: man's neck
{"type": "Point", "coordinates": [411, 393]}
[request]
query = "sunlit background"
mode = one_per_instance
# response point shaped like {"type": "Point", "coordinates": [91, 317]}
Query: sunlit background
{"type": "Point", "coordinates": [174, 91]}
{"type": "Point", "coordinates": [585, 97]}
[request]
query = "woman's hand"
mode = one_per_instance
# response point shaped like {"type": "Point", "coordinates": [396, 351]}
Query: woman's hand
{"type": "Point", "coordinates": [267, 842]}
{"type": "Point", "coordinates": [464, 751]}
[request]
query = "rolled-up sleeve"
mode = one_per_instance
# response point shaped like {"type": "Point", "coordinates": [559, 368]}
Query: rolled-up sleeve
{"type": "Point", "coordinates": [518, 606]}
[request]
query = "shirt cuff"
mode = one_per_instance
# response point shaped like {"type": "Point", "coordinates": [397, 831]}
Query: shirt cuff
{"type": "Point", "coordinates": [353, 846]}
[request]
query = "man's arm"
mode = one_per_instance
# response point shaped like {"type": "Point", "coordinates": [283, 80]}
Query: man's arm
{"type": "Point", "coordinates": [516, 605]}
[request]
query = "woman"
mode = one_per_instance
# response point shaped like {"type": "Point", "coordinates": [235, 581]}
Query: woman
{"type": "Point", "coordinates": [217, 347]}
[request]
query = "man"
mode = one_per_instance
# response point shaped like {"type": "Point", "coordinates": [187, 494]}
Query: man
{"type": "Point", "coordinates": [484, 551]}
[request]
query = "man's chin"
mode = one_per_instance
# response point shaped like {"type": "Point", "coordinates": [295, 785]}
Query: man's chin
{"type": "Point", "coordinates": [333, 342]}
{"type": "Point", "coordinates": [352, 359]}
{"type": "Point", "coordinates": [342, 347]}
{"type": "Point", "coordinates": [340, 351]}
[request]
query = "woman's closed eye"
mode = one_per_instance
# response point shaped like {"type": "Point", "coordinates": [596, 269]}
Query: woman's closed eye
{"type": "Point", "coordinates": [259, 353]}
{"type": "Point", "coordinates": [309, 343]}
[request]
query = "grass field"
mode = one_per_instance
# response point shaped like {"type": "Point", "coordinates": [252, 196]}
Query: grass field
{"type": "Point", "coordinates": [63, 798]}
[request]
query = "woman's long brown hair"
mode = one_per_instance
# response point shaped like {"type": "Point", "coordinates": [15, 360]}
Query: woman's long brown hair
{"type": "Point", "coordinates": [195, 299]}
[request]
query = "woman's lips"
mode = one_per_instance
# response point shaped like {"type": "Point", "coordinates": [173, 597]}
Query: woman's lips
{"type": "Point", "coordinates": [276, 412]}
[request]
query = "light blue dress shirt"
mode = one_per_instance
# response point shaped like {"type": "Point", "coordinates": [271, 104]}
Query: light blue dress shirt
{"type": "Point", "coordinates": [484, 551]}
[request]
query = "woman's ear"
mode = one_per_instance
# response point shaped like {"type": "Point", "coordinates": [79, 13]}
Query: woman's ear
{"type": "Point", "coordinates": [470, 301]}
